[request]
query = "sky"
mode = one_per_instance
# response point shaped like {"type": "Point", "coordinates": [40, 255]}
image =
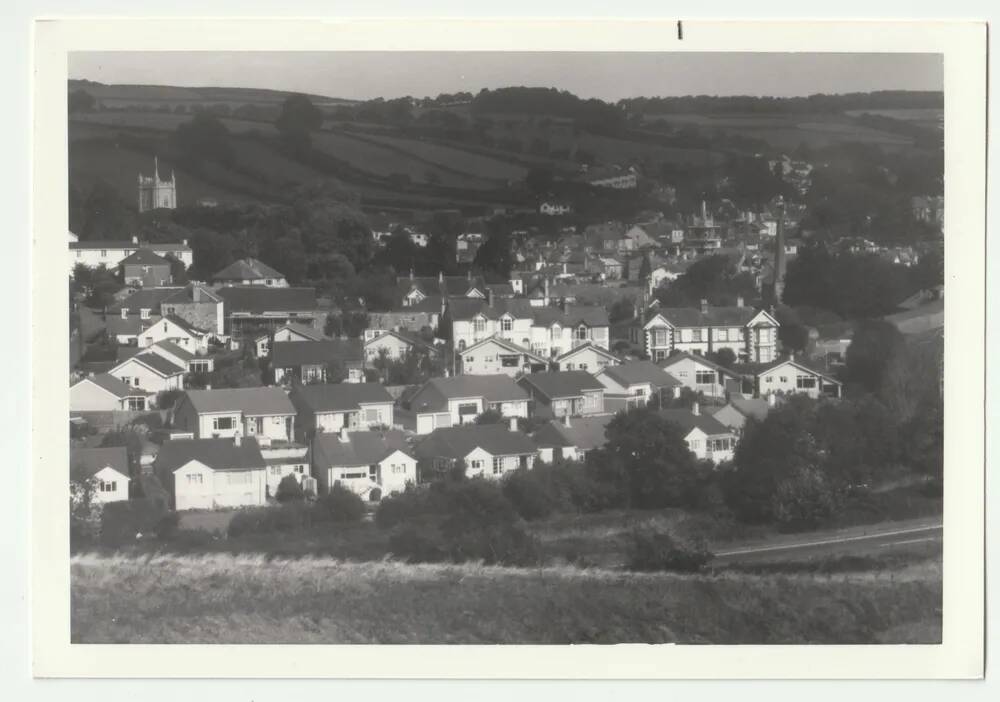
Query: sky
{"type": "Point", "coordinates": [608, 76]}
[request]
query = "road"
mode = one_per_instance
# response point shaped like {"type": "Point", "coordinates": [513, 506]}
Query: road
{"type": "Point", "coordinates": [923, 535]}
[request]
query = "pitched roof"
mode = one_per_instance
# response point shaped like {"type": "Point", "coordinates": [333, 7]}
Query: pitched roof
{"type": "Point", "coordinates": [712, 317]}
{"type": "Point", "coordinates": [144, 257]}
{"type": "Point", "coordinates": [116, 326]}
{"type": "Point", "coordinates": [185, 325]}
{"type": "Point", "coordinates": [217, 454]}
{"type": "Point", "coordinates": [155, 362]}
{"type": "Point", "coordinates": [145, 299]}
{"type": "Point", "coordinates": [754, 407]}
{"type": "Point", "coordinates": [340, 397]}
{"type": "Point", "coordinates": [114, 386]}
{"type": "Point", "coordinates": [509, 345]}
{"type": "Point", "coordinates": [186, 295]}
{"type": "Point", "coordinates": [464, 308]}
{"type": "Point", "coordinates": [85, 462]}
{"type": "Point", "coordinates": [801, 365]}
{"type": "Point", "coordinates": [666, 363]}
{"type": "Point", "coordinates": [174, 350]}
{"type": "Point", "coordinates": [557, 384]}
{"type": "Point", "coordinates": [285, 354]}
{"type": "Point", "coordinates": [247, 269]}
{"type": "Point", "coordinates": [573, 315]}
{"type": "Point", "coordinates": [435, 393]}
{"type": "Point", "coordinates": [407, 337]}
{"type": "Point", "coordinates": [587, 347]}
{"type": "Point", "coordinates": [636, 372]}
{"type": "Point", "coordinates": [257, 299]}
{"type": "Point", "coordinates": [459, 442]}
{"type": "Point", "coordinates": [253, 401]}
{"type": "Point", "coordinates": [584, 433]}
{"type": "Point", "coordinates": [362, 448]}
{"type": "Point", "coordinates": [688, 421]}
{"type": "Point", "coordinates": [126, 244]}
{"type": "Point", "coordinates": [305, 330]}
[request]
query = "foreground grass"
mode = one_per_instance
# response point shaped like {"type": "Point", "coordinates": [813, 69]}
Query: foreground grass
{"type": "Point", "coordinates": [245, 599]}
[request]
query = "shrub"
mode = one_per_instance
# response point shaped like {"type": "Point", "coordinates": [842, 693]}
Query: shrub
{"type": "Point", "coordinates": [122, 522]}
{"type": "Point", "coordinates": [289, 490]}
{"type": "Point", "coordinates": [168, 525]}
{"type": "Point", "coordinates": [340, 505]}
{"type": "Point", "coordinates": [652, 551]}
{"type": "Point", "coordinates": [804, 500]}
{"type": "Point", "coordinates": [406, 506]}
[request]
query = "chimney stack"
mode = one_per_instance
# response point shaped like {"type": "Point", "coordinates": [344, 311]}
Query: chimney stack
{"type": "Point", "coordinates": [512, 423]}
{"type": "Point", "coordinates": [343, 435]}
{"type": "Point", "coordinates": [237, 439]}
{"type": "Point", "coordinates": [135, 240]}
{"type": "Point", "coordinates": [739, 301]}
{"type": "Point", "coordinates": [704, 306]}
{"type": "Point", "coordinates": [489, 297]}
{"type": "Point", "coordinates": [566, 420]}
{"type": "Point", "coordinates": [695, 409]}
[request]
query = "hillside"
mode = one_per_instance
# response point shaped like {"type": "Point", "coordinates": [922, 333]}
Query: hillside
{"type": "Point", "coordinates": [250, 599]}
{"type": "Point", "coordinates": [157, 95]}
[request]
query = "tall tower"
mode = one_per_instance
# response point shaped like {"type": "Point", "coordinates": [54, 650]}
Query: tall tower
{"type": "Point", "coordinates": [779, 254]}
{"type": "Point", "coordinates": [155, 193]}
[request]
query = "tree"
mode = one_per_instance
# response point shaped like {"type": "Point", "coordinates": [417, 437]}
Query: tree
{"type": "Point", "coordinates": [178, 271]}
{"type": "Point", "coordinates": [539, 181]}
{"type": "Point", "coordinates": [84, 508]}
{"type": "Point", "coordinates": [793, 334]}
{"type": "Point", "coordinates": [103, 284]}
{"type": "Point", "coordinates": [81, 101]}
{"type": "Point", "coordinates": [725, 357]}
{"type": "Point", "coordinates": [873, 345]}
{"type": "Point", "coordinates": [104, 215]}
{"type": "Point", "coordinates": [645, 268]}
{"type": "Point", "coordinates": [203, 138]}
{"type": "Point", "coordinates": [804, 499]}
{"type": "Point", "coordinates": [289, 490]}
{"type": "Point", "coordinates": [495, 254]}
{"type": "Point", "coordinates": [713, 278]}
{"type": "Point", "coordinates": [490, 416]}
{"type": "Point", "coordinates": [298, 118]}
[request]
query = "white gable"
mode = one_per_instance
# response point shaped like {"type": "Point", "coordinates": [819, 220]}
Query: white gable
{"type": "Point", "coordinates": [657, 322]}
{"type": "Point", "coordinates": [762, 318]}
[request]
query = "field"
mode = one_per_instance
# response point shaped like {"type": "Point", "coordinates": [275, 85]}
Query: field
{"type": "Point", "coordinates": [246, 599]}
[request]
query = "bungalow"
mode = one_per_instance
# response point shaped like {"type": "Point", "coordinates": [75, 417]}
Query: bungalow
{"type": "Point", "coordinates": [496, 355]}
{"type": "Point", "coordinates": [105, 393]}
{"type": "Point", "coordinates": [565, 392]}
{"type": "Point", "coordinates": [371, 464]}
{"type": "Point", "coordinates": [212, 473]}
{"type": "Point", "coordinates": [178, 356]}
{"type": "Point", "coordinates": [396, 345]}
{"type": "Point", "coordinates": [698, 373]}
{"type": "Point", "coordinates": [751, 335]}
{"type": "Point", "coordinates": [151, 372]}
{"type": "Point", "coordinates": [739, 409]}
{"type": "Point", "coordinates": [351, 406]}
{"type": "Point", "coordinates": [446, 402]}
{"type": "Point", "coordinates": [107, 468]}
{"type": "Point", "coordinates": [173, 328]}
{"type": "Point", "coordinates": [707, 438]}
{"type": "Point", "coordinates": [586, 358]}
{"type": "Point", "coordinates": [307, 361]}
{"type": "Point", "coordinates": [249, 271]}
{"type": "Point", "coordinates": [288, 332]}
{"type": "Point", "coordinates": [788, 377]}
{"type": "Point", "coordinates": [487, 450]}
{"type": "Point", "coordinates": [146, 269]}
{"type": "Point", "coordinates": [251, 307]}
{"type": "Point", "coordinates": [571, 438]}
{"type": "Point", "coordinates": [265, 413]}
{"type": "Point", "coordinates": [635, 382]}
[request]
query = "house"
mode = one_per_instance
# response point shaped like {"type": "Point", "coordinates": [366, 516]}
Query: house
{"type": "Point", "coordinates": [264, 413]}
{"type": "Point", "coordinates": [145, 269]}
{"type": "Point", "coordinates": [174, 329]}
{"type": "Point", "coordinates": [637, 381]}
{"type": "Point", "coordinates": [586, 357]}
{"type": "Point", "coordinates": [198, 306]}
{"type": "Point", "coordinates": [446, 402]}
{"type": "Point", "coordinates": [607, 237]}
{"type": "Point", "coordinates": [250, 308]}
{"type": "Point", "coordinates": [178, 356]}
{"type": "Point", "coordinates": [109, 254]}
{"type": "Point", "coordinates": [487, 450]}
{"type": "Point", "coordinates": [706, 437]}
{"type": "Point", "coordinates": [371, 464]}
{"type": "Point", "coordinates": [415, 291]}
{"type": "Point", "coordinates": [565, 392]}
{"type": "Point", "coordinates": [571, 438]}
{"type": "Point", "coordinates": [495, 355]}
{"type": "Point", "coordinates": [788, 377]}
{"type": "Point", "coordinates": [330, 408]}
{"type": "Point", "coordinates": [554, 208]}
{"type": "Point", "coordinates": [640, 237]}
{"type": "Point", "coordinates": [151, 372]}
{"type": "Point", "coordinates": [751, 335]}
{"type": "Point", "coordinates": [106, 467]}
{"type": "Point", "coordinates": [212, 473]}
{"type": "Point", "coordinates": [106, 393]}
{"type": "Point", "coordinates": [289, 332]}
{"type": "Point", "coordinates": [281, 460]}
{"type": "Point", "coordinates": [307, 361]}
{"type": "Point", "coordinates": [396, 345]}
{"type": "Point", "coordinates": [249, 271]}
{"type": "Point", "coordinates": [739, 409]}
{"type": "Point", "coordinates": [409, 319]}
{"type": "Point", "coordinates": [556, 330]}
{"type": "Point", "coordinates": [473, 320]}
{"type": "Point", "coordinates": [698, 373]}
{"type": "Point", "coordinates": [666, 272]}
{"type": "Point", "coordinates": [610, 268]}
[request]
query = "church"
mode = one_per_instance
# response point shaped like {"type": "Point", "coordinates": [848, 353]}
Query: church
{"type": "Point", "coordinates": [155, 193]}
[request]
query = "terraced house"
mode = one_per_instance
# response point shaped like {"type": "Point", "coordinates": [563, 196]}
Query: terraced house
{"type": "Point", "coordinates": [750, 334]}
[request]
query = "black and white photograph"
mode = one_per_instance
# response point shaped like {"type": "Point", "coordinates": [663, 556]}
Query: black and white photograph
{"type": "Point", "coordinates": [506, 347]}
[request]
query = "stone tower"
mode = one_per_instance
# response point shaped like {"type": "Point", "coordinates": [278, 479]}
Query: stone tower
{"type": "Point", "coordinates": [779, 254]}
{"type": "Point", "coordinates": [155, 193]}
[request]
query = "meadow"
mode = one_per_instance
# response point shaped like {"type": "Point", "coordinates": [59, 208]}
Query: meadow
{"type": "Point", "coordinates": [253, 599]}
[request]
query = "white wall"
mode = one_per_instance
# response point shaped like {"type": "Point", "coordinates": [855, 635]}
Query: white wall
{"type": "Point", "coordinates": [395, 347]}
{"type": "Point", "coordinates": [113, 479]}
{"type": "Point", "coordinates": [196, 486]}
{"type": "Point", "coordinates": [686, 371]}
{"type": "Point", "coordinates": [429, 421]}
{"type": "Point", "coordinates": [147, 379]}
{"type": "Point", "coordinates": [276, 472]}
{"type": "Point", "coordinates": [479, 462]}
{"type": "Point", "coordinates": [784, 379]}
{"type": "Point", "coordinates": [588, 360]}
{"type": "Point", "coordinates": [87, 397]}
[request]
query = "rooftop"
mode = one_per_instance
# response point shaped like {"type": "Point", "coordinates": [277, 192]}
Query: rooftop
{"type": "Point", "coordinates": [86, 462]}
{"type": "Point", "coordinates": [585, 433]}
{"type": "Point", "coordinates": [342, 397]}
{"type": "Point", "coordinates": [459, 442]}
{"type": "Point", "coordinates": [247, 269]}
{"type": "Point", "coordinates": [555, 385]}
{"type": "Point", "coordinates": [285, 354]}
{"type": "Point", "coordinates": [251, 401]}
{"type": "Point", "coordinates": [637, 372]}
{"type": "Point", "coordinates": [435, 393]}
{"type": "Point", "coordinates": [217, 454]}
{"type": "Point", "coordinates": [687, 421]}
{"type": "Point", "coordinates": [258, 299]}
{"type": "Point", "coordinates": [362, 448]}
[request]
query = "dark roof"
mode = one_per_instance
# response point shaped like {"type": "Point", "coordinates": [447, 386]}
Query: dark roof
{"type": "Point", "coordinates": [684, 355]}
{"type": "Point", "coordinates": [85, 462]}
{"type": "Point", "coordinates": [305, 330]}
{"type": "Point", "coordinates": [186, 295]}
{"type": "Point", "coordinates": [584, 433]}
{"type": "Point", "coordinates": [754, 407]}
{"type": "Point", "coordinates": [128, 327]}
{"type": "Point", "coordinates": [247, 269]}
{"type": "Point", "coordinates": [217, 454]}
{"type": "Point", "coordinates": [172, 348]}
{"type": "Point", "coordinates": [557, 384]}
{"type": "Point", "coordinates": [463, 308]}
{"type": "Point", "coordinates": [435, 393]}
{"type": "Point", "coordinates": [574, 315]}
{"type": "Point", "coordinates": [157, 362]}
{"type": "Point", "coordinates": [286, 354]}
{"type": "Point", "coordinates": [712, 317]}
{"type": "Point", "coordinates": [340, 397]}
{"type": "Point", "coordinates": [801, 363]}
{"type": "Point", "coordinates": [185, 325]}
{"type": "Point", "coordinates": [144, 257]}
{"type": "Point", "coordinates": [459, 442]}
{"type": "Point", "coordinates": [687, 421]}
{"type": "Point", "coordinates": [254, 401]}
{"type": "Point", "coordinates": [258, 299]}
{"type": "Point", "coordinates": [636, 372]}
{"type": "Point", "coordinates": [115, 386]}
{"type": "Point", "coordinates": [145, 299]}
{"type": "Point", "coordinates": [362, 448]}
{"type": "Point", "coordinates": [126, 244]}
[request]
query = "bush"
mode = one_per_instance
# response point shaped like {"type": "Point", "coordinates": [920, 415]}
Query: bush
{"type": "Point", "coordinates": [121, 522]}
{"type": "Point", "coordinates": [167, 399]}
{"type": "Point", "coordinates": [804, 500]}
{"type": "Point", "coordinates": [406, 506]}
{"type": "Point", "coordinates": [652, 551]}
{"type": "Point", "coordinates": [289, 490]}
{"type": "Point", "coordinates": [340, 505]}
{"type": "Point", "coordinates": [167, 527]}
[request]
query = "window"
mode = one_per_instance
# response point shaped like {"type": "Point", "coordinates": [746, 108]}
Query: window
{"type": "Point", "coordinates": [275, 470]}
{"type": "Point", "coordinates": [135, 382]}
{"type": "Point", "coordinates": [108, 486]}
{"type": "Point", "coordinates": [104, 253]}
{"type": "Point", "coordinates": [510, 361]}
{"type": "Point", "coordinates": [136, 404]}
{"type": "Point", "coordinates": [398, 469]}
{"type": "Point", "coordinates": [784, 378]}
{"type": "Point", "coordinates": [696, 335]}
{"type": "Point", "coordinates": [371, 415]}
{"type": "Point", "coordinates": [704, 377]}
{"type": "Point", "coordinates": [582, 333]}
{"type": "Point", "coordinates": [479, 325]}
{"type": "Point", "coordinates": [497, 465]}
{"type": "Point", "coordinates": [354, 476]}
{"type": "Point", "coordinates": [476, 464]}
{"type": "Point", "coordinates": [198, 366]}
{"type": "Point", "coordinates": [194, 479]}
{"type": "Point", "coordinates": [583, 366]}
{"type": "Point", "coordinates": [506, 324]}
{"type": "Point", "coordinates": [238, 478]}
{"type": "Point", "coordinates": [639, 392]}
{"type": "Point", "coordinates": [165, 327]}
{"type": "Point", "coordinates": [223, 423]}
{"type": "Point", "coordinates": [805, 382]}
{"type": "Point", "coordinates": [660, 337]}
{"type": "Point", "coordinates": [127, 379]}
{"type": "Point", "coordinates": [768, 379]}
{"type": "Point", "coordinates": [300, 469]}
{"type": "Point", "coordinates": [468, 408]}
{"type": "Point", "coordinates": [694, 444]}
{"type": "Point", "coordinates": [144, 313]}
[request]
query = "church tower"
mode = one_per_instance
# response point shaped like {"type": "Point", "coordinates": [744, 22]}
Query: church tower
{"type": "Point", "coordinates": [779, 254]}
{"type": "Point", "coordinates": [155, 193]}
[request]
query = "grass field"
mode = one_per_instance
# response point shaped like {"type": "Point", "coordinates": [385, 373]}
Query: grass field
{"type": "Point", "coordinates": [226, 599]}
{"type": "Point", "coordinates": [455, 158]}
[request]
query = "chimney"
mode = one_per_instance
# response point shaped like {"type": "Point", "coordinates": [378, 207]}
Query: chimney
{"type": "Point", "coordinates": [739, 301]}
{"type": "Point", "coordinates": [135, 240]}
{"type": "Point", "coordinates": [704, 306]}
{"type": "Point", "coordinates": [512, 423]}
{"type": "Point", "coordinates": [441, 276]}
{"type": "Point", "coordinates": [343, 435]}
{"type": "Point", "coordinates": [489, 297]}
{"type": "Point", "coordinates": [124, 312]}
{"type": "Point", "coordinates": [695, 409]}
{"type": "Point", "coordinates": [411, 273]}
{"type": "Point", "coordinates": [771, 399]}
{"type": "Point", "coordinates": [566, 420]}
{"type": "Point", "coordinates": [237, 439]}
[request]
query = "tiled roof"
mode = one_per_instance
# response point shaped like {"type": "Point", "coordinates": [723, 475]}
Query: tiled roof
{"type": "Point", "coordinates": [801, 364]}
{"type": "Point", "coordinates": [584, 433]}
{"type": "Point", "coordinates": [464, 308]}
{"type": "Point", "coordinates": [217, 454]}
{"type": "Point", "coordinates": [126, 244]}
{"type": "Point", "coordinates": [676, 358]}
{"type": "Point", "coordinates": [145, 299]}
{"type": "Point", "coordinates": [756, 408]}
{"type": "Point", "coordinates": [687, 421]}
{"type": "Point", "coordinates": [587, 347]}
{"type": "Point", "coordinates": [175, 350]}
{"type": "Point", "coordinates": [85, 462]}
{"type": "Point", "coordinates": [257, 299]}
{"type": "Point", "coordinates": [126, 327]}
{"type": "Point", "coordinates": [712, 317]}
{"type": "Point", "coordinates": [554, 385]}
{"type": "Point", "coordinates": [186, 295]}
{"type": "Point", "coordinates": [252, 401]}
{"type": "Point", "coordinates": [185, 325]}
{"type": "Point", "coordinates": [503, 343]}
{"type": "Point", "coordinates": [340, 397]}
{"type": "Point", "coordinates": [247, 269]}
{"type": "Point", "coordinates": [574, 315]}
{"type": "Point", "coordinates": [434, 395]}
{"type": "Point", "coordinates": [636, 372]}
{"type": "Point", "coordinates": [114, 386]}
{"type": "Point", "coordinates": [144, 257]}
{"type": "Point", "coordinates": [459, 442]}
{"type": "Point", "coordinates": [158, 363]}
{"type": "Point", "coordinates": [362, 448]}
{"type": "Point", "coordinates": [286, 354]}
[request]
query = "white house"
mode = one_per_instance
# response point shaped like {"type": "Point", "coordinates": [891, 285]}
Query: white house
{"type": "Point", "coordinates": [395, 344]}
{"type": "Point", "coordinates": [151, 372]}
{"type": "Point", "coordinates": [288, 332]}
{"type": "Point", "coordinates": [488, 450]}
{"type": "Point", "coordinates": [212, 473]}
{"type": "Point", "coordinates": [791, 377]}
{"type": "Point", "coordinates": [698, 373]}
{"type": "Point", "coordinates": [173, 328]}
{"type": "Point", "coordinates": [372, 464]}
{"type": "Point", "coordinates": [178, 356]}
{"type": "Point", "coordinates": [351, 406]}
{"type": "Point", "coordinates": [109, 254]}
{"type": "Point", "coordinates": [282, 460]}
{"type": "Point", "coordinates": [106, 393]}
{"type": "Point", "coordinates": [250, 271]}
{"type": "Point", "coordinates": [637, 381]}
{"type": "Point", "coordinates": [494, 355]}
{"type": "Point", "coordinates": [107, 468]}
{"type": "Point", "coordinates": [707, 438]}
{"type": "Point", "coordinates": [752, 336]}
{"type": "Point", "coordinates": [264, 413]}
{"type": "Point", "coordinates": [446, 402]}
{"type": "Point", "coordinates": [564, 392]}
{"type": "Point", "coordinates": [587, 357]}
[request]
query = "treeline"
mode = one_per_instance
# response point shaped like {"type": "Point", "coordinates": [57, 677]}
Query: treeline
{"type": "Point", "coordinates": [716, 104]}
{"type": "Point", "coordinates": [592, 115]}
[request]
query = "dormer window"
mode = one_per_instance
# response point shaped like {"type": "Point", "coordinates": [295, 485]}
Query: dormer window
{"type": "Point", "coordinates": [506, 324]}
{"type": "Point", "coordinates": [582, 333]}
{"type": "Point", "coordinates": [144, 313]}
{"type": "Point", "coordinates": [479, 324]}
{"type": "Point", "coordinates": [124, 312]}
